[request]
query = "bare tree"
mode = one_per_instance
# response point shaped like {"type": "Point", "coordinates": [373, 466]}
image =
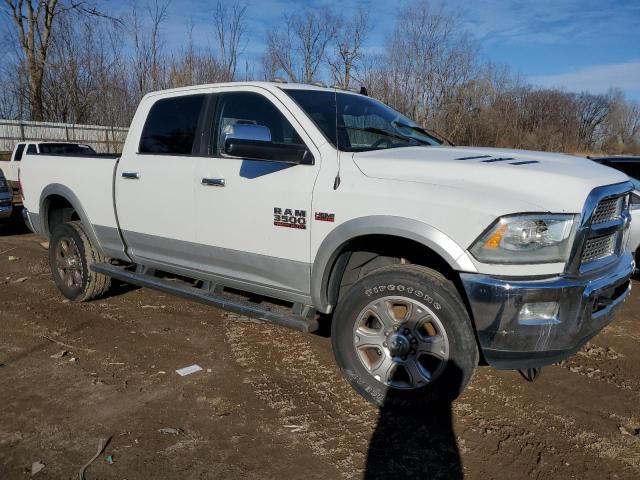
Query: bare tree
{"type": "Point", "coordinates": [299, 49]}
{"type": "Point", "coordinates": [427, 60]}
{"type": "Point", "coordinates": [592, 111]}
{"type": "Point", "coordinates": [231, 28]}
{"type": "Point", "coordinates": [349, 39]}
{"type": "Point", "coordinates": [148, 46]}
{"type": "Point", "coordinates": [280, 54]}
{"type": "Point", "coordinates": [34, 23]}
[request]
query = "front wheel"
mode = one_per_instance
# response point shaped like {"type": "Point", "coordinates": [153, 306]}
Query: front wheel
{"type": "Point", "coordinates": [402, 337]}
{"type": "Point", "coordinates": [71, 255]}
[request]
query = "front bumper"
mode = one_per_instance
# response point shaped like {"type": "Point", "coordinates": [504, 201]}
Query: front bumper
{"type": "Point", "coordinates": [586, 306]}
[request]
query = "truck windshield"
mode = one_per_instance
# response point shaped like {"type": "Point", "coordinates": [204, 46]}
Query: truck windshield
{"type": "Point", "coordinates": [356, 123]}
{"type": "Point", "coordinates": [66, 148]}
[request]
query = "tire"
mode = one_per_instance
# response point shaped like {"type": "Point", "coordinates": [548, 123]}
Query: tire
{"type": "Point", "coordinates": [407, 326]}
{"type": "Point", "coordinates": [70, 258]}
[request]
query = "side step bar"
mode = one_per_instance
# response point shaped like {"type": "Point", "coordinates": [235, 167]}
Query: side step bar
{"type": "Point", "coordinates": [298, 318]}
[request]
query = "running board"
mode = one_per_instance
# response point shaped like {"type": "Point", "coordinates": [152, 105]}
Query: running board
{"type": "Point", "coordinates": [297, 318]}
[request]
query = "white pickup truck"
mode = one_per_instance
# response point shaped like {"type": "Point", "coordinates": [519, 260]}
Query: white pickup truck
{"type": "Point", "coordinates": [426, 259]}
{"type": "Point", "coordinates": [11, 168]}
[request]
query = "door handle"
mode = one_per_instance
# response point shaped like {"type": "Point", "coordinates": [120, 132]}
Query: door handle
{"type": "Point", "coordinates": [213, 182]}
{"type": "Point", "coordinates": [131, 175]}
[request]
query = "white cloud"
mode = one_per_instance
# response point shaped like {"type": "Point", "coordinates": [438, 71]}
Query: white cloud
{"type": "Point", "coordinates": [595, 78]}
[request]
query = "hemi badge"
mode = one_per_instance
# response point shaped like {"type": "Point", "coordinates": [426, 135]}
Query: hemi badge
{"type": "Point", "coordinates": [325, 217]}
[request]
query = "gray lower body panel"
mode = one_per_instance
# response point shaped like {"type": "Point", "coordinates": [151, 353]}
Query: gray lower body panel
{"type": "Point", "coordinates": [261, 274]}
{"type": "Point", "coordinates": [110, 242]}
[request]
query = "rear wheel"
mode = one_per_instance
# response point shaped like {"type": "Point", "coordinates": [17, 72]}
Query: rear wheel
{"type": "Point", "coordinates": [71, 255]}
{"type": "Point", "coordinates": [402, 337]}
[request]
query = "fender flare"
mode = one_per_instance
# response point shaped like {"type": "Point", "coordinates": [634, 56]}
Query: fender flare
{"type": "Point", "coordinates": [66, 193]}
{"type": "Point", "coordinates": [407, 228]}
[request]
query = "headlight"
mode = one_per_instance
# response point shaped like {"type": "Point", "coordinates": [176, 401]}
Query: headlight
{"type": "Point", "coordinates": [522, 239]}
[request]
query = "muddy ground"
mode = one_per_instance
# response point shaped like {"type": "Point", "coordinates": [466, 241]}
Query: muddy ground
{"type": "Point", "coordinates": [269, 402]}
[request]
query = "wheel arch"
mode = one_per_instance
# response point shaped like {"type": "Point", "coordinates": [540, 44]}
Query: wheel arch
{"type": "Point", "coordinates": [49, 199]}
{"type": "Point", "coordinates": [330, 260]}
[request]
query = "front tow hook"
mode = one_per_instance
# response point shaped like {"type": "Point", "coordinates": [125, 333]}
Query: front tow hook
{"type": "Point", "coordinates": [530, 374]}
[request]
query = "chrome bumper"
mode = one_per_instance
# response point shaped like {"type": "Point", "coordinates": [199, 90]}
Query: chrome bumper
{"type": "Point", "coordinates": [586, 305]}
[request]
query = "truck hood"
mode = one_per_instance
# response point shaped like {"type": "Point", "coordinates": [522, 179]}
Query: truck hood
{"type": "Point", "coordinates": [545, 181]}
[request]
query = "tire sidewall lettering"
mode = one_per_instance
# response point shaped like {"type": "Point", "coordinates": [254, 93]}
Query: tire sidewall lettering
{"type": "Point", "coordinates": [405, 289]}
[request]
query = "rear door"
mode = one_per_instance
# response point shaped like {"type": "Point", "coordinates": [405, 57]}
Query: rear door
{"type": "Point", "coordinates": [155, 183]}
{"type": "Point", "coordinates": [254, 216]}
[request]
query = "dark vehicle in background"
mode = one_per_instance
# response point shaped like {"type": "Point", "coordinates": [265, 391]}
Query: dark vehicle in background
{"type": "Point", "coordinates": [5, 198]}
{"type": "Point", "coordinates": [626, 164]}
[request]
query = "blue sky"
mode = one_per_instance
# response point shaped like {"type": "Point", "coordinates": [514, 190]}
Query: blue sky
{"type": "Point", "coordinates": [572, 44]}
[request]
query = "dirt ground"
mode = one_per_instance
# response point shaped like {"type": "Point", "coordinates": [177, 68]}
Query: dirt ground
{"type": "Point", "coordinates": [269, 402]}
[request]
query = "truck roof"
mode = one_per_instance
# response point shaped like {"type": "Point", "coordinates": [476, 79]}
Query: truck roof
{"type": "Point", "coordinates": [270, 85]}
{"type": "Point", "coordinates": [40, 142]}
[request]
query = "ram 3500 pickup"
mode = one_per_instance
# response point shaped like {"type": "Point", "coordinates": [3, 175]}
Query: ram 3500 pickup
{"type": "Point", "coordinates": [426, 259]}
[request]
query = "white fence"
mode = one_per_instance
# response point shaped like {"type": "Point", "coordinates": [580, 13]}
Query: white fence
{"type": "Point", "coordinates": [102, 139]}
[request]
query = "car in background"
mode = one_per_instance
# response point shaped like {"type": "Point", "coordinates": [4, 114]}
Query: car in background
{"type": "Point", "coordinates": [5, 198]}
{"type": "Point", "coordinates": [12, 167]}
{"type": "Point", "coordinates": [631, 166]}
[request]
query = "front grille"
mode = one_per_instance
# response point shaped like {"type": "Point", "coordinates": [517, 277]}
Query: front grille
{"type": "Point", "coordinates": [600, 235]}
{"type": "Point", "coordinates": [599, 247]}
{"type": "Point", "coordinates": [607, 210]}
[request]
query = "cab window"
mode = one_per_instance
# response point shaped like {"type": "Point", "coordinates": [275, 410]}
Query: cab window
{"type": "Point", "coordinates": [171, 126]}
{"type": "Point", "coordinates": [252, 108]}
{"type": "Point", "coordinates": [19, 152]}
{"type": "Point", "coordinates": [31, 148]}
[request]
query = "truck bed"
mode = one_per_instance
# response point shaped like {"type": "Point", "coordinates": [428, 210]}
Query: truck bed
{"type": "Point", "coordinates": [85, 181]}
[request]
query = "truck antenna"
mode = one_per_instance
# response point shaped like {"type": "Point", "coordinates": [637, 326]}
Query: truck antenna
{"type": "Point", "coordinates": [336, 182]}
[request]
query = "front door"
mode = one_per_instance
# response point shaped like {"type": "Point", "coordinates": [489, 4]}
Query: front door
{"type": "Point", "coordinates": [254, 216]}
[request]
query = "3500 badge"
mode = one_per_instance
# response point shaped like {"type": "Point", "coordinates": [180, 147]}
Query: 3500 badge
{"type": "Point", "coordinates": [290, 218]}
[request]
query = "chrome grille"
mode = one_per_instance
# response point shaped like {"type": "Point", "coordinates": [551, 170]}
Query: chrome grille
{"type": "Point", "coordinates": [607, 210]}
{"type": "Point", "coordinates": [600, 233]}
{"type": "Point", "coordinates": [599, 247]}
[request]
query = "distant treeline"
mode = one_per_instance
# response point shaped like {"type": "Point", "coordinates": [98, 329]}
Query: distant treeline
{"type": "Point", "coordinates": [74, 62]}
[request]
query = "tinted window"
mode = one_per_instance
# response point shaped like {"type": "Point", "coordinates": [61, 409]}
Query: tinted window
{"type": "Point", "coordinates": [19, 152]}
{"type": "Point", "coordinates": [356, 123]}
{"type": "Point", "coordinates": [246, 107]}
{"type": "Point", "coordinates": [170, 128]}
{"type": "Point", "coordinates": [65, 148]}
{"type": "Point", "coordinates": [31, 148]}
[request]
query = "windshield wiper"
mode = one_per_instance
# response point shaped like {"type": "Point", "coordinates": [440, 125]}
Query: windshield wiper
{"type": "Point", "coordinates": [377, 131]}
{"type": "Point", "coordinates": [424, 131]}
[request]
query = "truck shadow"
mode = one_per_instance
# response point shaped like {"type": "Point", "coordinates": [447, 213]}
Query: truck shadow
{"type": "Point", "coordinates": [417, 443]}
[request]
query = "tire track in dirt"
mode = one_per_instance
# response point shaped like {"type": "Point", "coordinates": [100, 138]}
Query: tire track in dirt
{"type": "Point", "coordinates": [570, 416]}
{"type": "Point", "coordinates": [604, 364]}
{"type": "Point", "coordinates": [495, 422]}
{"type": "Point", "coordinates": [303, 391]}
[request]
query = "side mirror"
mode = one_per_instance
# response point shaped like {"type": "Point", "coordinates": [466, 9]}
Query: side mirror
{"type": "Point", "coordinates": [252, 141]}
